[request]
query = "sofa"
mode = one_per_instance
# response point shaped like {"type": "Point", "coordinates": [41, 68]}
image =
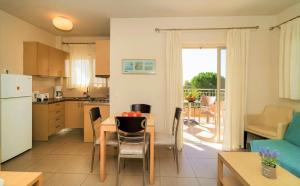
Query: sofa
{"type": "Point", "coordinates": [288, 147]}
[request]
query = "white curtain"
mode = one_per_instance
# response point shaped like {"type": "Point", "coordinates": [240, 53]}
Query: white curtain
{"type": "Point", "coordinates": [174, 85]}
{"type": "Point", "coordinates": [80, 68]}
{"type": "Point", "coordinates": [289, 60]}
{"type": "Point", "coordinates": [236, 83]}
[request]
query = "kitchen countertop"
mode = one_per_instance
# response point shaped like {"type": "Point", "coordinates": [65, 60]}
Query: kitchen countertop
{"type": "Point", "coordinates": [94, 101]}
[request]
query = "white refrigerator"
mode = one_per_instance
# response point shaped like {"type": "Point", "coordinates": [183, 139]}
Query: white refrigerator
{"type": "Point", "coordinates": [15, 115]}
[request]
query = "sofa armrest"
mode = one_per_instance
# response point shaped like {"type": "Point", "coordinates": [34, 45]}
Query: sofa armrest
{"type": "Point", "coordinates": [253, 119]}
{"type": "Point", "coordinates": [281, 128]}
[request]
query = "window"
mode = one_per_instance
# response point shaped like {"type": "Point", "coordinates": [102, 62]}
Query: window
{"type": "Point", "coordinates": [80, 68]}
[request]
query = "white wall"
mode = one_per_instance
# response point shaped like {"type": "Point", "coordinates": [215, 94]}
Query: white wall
{"type": "Point", "coordinates": [135, 38]}
{"type": "Point", "coordinates": [13, 31]}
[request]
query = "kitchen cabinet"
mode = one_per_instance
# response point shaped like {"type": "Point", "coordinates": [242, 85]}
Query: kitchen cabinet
{"type": "Point", "coordinates": [42, 60]}
{"type": "Point", "coordinates": [47, 119]}
{"type": "Point", "coordinates": [88, 133]}
{"type": "Point", "coordinates": [74, 114]}
{"type": "Point", "coordinates": [103, 58]}
{"type": "Point", "coordinates": [56, 62]}
{"type": "Point", "coordinates": [35, 59]}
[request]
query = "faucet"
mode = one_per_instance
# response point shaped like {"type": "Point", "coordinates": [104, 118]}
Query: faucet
{"type": "Point", "coordinates": [86, 93]}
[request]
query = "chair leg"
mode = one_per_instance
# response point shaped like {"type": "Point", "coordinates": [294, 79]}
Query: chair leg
{"type": "Point", "coordinates": [147, 165]}
{"type": "Point", "coordinates": [144, 172]}
{"type": "Point", "coordinates": [115, 152]}
{"type": "Point", "coordinates": [245, 139]}
{"type": "Point", "coordinates": [173, 148]}
{"type": "Point", "coordinates": [118, 171]}
{"type": "Point", "coordinates": [177, 165]}
{"type": "Point", "coordinates": [93, 156]}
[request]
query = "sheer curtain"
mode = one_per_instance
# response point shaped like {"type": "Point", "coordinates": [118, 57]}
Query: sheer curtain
{"type": "Point", "coordinates": [174, 85]}
{"type": "Point", "coordinates": [80, 68]}
{"type": "Point", "coordinates": [236, 83]}
{"type": "Point", "coordinates": [289, 60]}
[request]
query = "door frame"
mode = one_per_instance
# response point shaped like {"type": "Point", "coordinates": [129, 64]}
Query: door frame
{"type": "Point", "coordinates": [219, 48]}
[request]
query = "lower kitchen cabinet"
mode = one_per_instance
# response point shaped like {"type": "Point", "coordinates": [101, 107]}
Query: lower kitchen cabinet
{"type": "Point", "coordinates": [47, 119]}
{"type": "Point", "coordinates": [74, 114]}
{"type": "Point", "coordinates": [88, 133]}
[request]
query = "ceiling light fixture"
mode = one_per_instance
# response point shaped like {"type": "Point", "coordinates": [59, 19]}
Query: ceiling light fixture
{"type": "Point", "coordinates": [62, 23]}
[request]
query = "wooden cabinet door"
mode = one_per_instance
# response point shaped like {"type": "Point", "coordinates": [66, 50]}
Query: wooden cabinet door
{"type": "Point", "coordinates": [30, 58]}
{"type": "Point", "coordinates": [103, 57]}
{"type": "Point", "coordinates": [61, 64]}
{"type": "Point", "coordinates": [56, 62]}
{"type": "Point", "coordinates": [42, 59]}
{"type": "Point", "coordinates": [73, 114]}
{"type": "Point", "coordinates": [53, 61]}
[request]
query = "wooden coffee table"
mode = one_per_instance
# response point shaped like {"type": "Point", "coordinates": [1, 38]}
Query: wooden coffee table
{"type": "Point", "coordinates": [246, 170]}
{"type": "Point", "coordinates": [22, 178]}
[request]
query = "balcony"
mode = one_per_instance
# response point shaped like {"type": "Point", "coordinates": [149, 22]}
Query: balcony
{"type": "Point", "coordinates": [200, 114]}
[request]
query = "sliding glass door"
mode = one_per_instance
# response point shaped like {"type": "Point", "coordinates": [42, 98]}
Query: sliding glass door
{"type": "Point", "coordinates": [204, 74]}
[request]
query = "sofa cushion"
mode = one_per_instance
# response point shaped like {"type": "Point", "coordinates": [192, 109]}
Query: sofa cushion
{"type": "Point", "coordinates": [263, 130]}
{"type": "Point", "coordinates": [292, 134]}
{"type": "Point", "coordinates": [289, 157]}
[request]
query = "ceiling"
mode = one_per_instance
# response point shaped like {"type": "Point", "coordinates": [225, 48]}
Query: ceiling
{"type": "Point", "coordinates": [91, 17]}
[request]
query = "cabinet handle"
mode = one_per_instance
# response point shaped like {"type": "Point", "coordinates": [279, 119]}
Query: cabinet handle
{"type": "Point", "coordinates": [57, 119]}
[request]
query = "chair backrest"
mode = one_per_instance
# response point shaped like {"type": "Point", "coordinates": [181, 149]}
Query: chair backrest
{"type": "Point", "coordinates": [131, 129]}
{"type": "Point", "coordinates": [143, 108]}
{"type": "Point", "coordinates": [275, 114]}
{"type": "Point", "coordinates": [131, 124]}
{"type": "Point", "coordinates": [207, 100]}
{"type": "Point", "coordinates": [176, 121]}
{"type": "Point", "coordinates": [94, 115]}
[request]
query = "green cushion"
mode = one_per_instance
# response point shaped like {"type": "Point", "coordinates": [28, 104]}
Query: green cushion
{"type": "Point", "coordinates": [289, 157]}
{"type": "Point", "coordinates": [292, 134]}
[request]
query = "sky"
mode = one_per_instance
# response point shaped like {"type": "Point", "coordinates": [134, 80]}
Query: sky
{"type": "Point", "coordinates": [201, 60]}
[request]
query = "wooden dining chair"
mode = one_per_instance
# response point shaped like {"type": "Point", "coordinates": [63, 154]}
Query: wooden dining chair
{"type": "Point", "coordinates": [143, 108]}
{"type": "Point", "coordinates": [170, 140]}
{"type": "Point", "coordinates": [111, 140]}
{"type": "Point", "coordinates": [132, 140]}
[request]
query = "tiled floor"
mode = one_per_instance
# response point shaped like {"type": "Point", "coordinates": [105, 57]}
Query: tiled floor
{"type": "Point", "coordinates": [65, 161]}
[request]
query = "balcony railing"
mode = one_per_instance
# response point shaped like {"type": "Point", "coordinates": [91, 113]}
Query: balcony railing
{"type": "Point", "coordinates": [205, 92]}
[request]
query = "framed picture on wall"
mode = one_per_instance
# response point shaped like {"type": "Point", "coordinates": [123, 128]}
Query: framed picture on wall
{"type": "Point", "coordinates": [138, 66]}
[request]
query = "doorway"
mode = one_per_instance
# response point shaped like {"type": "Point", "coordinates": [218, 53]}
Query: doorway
{"type": "Point", "coordinates": [204, 75]}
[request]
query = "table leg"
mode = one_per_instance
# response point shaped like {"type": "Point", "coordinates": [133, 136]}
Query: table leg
{"type": "Point", "coordinates": [102, 155]}
{"type": "Point", "coordinates": [220, 172]}
{"type": "Point", "coordinates": [151, 174]}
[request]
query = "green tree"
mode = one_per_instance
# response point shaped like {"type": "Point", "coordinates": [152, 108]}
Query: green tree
{"type": "Point", "coordinates": [206, 80]}
{"type": "Point", "coordinates": [187, 84]}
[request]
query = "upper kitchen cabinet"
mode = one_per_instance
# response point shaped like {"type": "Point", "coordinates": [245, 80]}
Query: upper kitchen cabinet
{"type": "Point", "coordinates": [56, 62]}
{"type": "Point", "coordinates": [102, 58]}
{"type": "Point", "coordinates": [43, 60]}
{"type": "Point", "coordinates": [35, 59]}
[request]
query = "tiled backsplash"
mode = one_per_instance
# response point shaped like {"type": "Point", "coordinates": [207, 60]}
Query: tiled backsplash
{"type": "Point", "coordinates": [43, 85]}
{"type": "Point", "coordinates": [47, 84]}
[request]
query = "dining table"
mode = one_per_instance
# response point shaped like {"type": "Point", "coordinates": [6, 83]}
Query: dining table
{"type": "Point", "coordinates": [109, 125]}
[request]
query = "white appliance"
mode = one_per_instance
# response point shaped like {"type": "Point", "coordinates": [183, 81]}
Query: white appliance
{"type": "Point", "coordinates": [42, 97]}
{"type": "Point", "coordinates": [35, 95]}
{"type": "Point", "coordinates": [15, 115]}
{"type": "Point", "coordinates": [58, 94]}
